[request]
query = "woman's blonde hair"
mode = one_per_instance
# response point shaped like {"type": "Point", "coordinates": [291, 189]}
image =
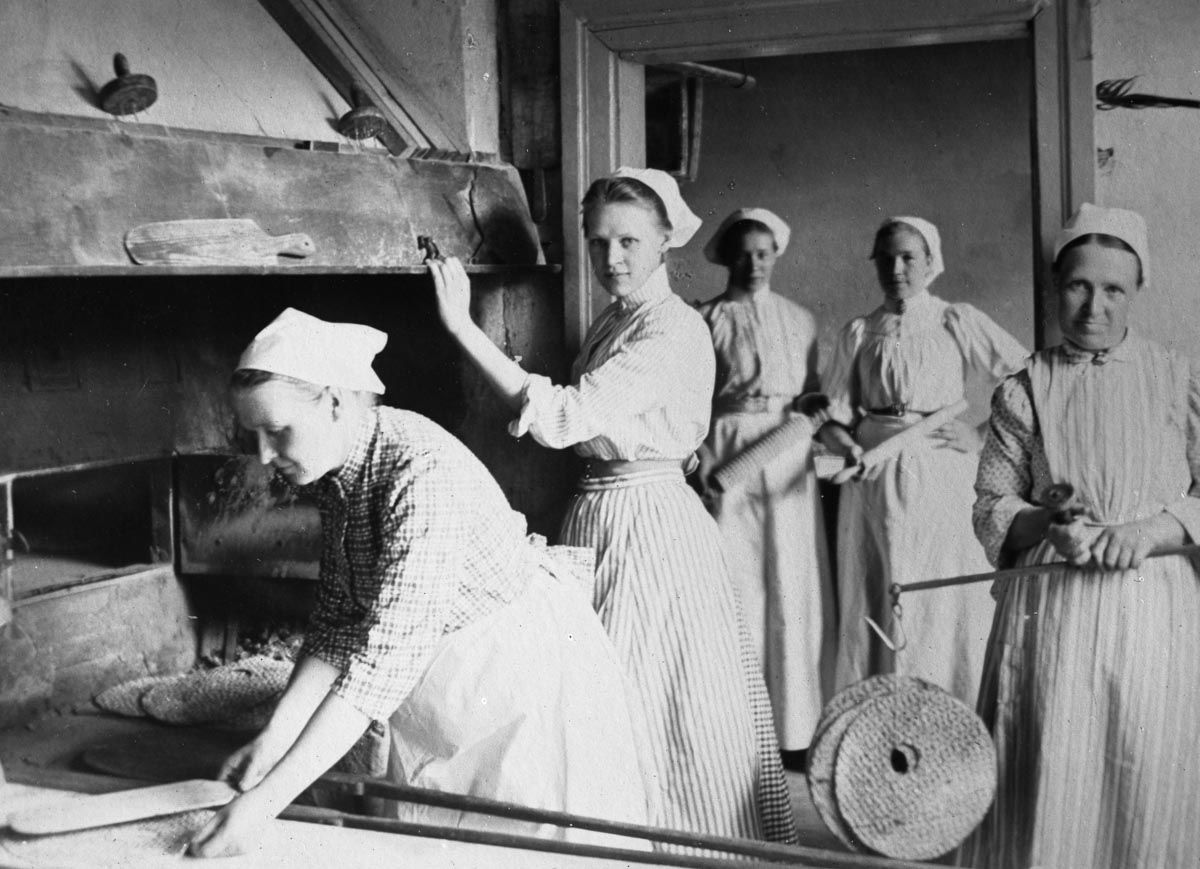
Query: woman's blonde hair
{"type": "Point", "coordinates": [247, 378]}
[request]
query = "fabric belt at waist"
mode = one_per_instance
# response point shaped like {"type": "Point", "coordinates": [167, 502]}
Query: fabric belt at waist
{"type": "Point", "coordinates": [752, 404]}
{"type": "Point", "coordinates": [875, 428]}
{"type": "Point", "coordinates": [900, 409]}
{"type": "Point", "coordinates": [617, 474]}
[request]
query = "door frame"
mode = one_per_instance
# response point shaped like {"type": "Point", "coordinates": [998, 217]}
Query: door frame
{"type": "Point", "coordinates": [603, 94]}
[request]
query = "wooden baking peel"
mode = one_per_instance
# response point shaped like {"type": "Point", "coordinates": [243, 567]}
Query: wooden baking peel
{"type": "Point", "coordinates": [220, 241]}
{"type": "Point", "coordinates": [79, 812]}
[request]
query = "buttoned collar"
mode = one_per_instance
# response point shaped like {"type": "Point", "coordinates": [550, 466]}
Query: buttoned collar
{"type": "Point", "coordinates": [1122, 352]}
{"type": "Point", "coordinates": [914, 306]}
{"type": "Point", "coordinates": [757, 299]}
{"type": "Point", "coordinates": [657, 287]}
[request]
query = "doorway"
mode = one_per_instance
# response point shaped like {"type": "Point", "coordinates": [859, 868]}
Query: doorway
{"type": "Point", "coordinates": [836, 142]}
{"type": "Point", "coordinates": [605, 43]}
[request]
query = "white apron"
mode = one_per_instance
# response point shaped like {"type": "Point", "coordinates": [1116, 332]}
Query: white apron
{"type": "Point", "coordinates": [525, 706]}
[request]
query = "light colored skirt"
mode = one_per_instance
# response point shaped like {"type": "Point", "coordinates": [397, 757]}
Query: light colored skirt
{"type": "Point", "coordinates": [1091, 693]}
{"type": "Point", "coordinates": [775, 545]}
{"type": "Point", "coordinates": [663, 592]}
{"type": "Point", "coordinates": [527, 705]}
{"type": "Point", "coordinates": [910, 520]}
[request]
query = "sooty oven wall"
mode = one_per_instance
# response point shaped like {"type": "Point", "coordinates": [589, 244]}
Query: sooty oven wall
{"type": "Point", "coordinates": [101, 368]}
{"type": "Point", "coordinates": [130, 372]}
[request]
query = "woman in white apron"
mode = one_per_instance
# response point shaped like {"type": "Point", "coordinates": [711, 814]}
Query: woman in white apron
{"type": "Point", "coordinates": [1090, 685]}
{"type": "Point", "coordinates": [636, 410]}
{"type": "Point", "coordinates": [435, 613]}
{"type": "Point", "coordinates": [773, 529]}
{"type": "Point", "coordinates": [909, 518]}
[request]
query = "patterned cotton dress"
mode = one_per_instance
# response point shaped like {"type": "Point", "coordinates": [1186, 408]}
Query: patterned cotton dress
{"type": "Point", "coordinates": [643, 391]}
{"type": "Point", "coordinates": [1090, 685]}
{"type": "Point", "coordinates": [483, 655]}
{"type": "Point", "coordinates": [910, 518]}
{"type": "Point", "coordinates": [774, 532]}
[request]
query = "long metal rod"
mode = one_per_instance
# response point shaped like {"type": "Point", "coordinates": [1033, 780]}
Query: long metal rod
{"type": "Point", "coordinates": [1029, 570]}
{"type": "Point", "coordinates": [715, 74]}
{"type": "Point", "coordinates": [513, 840]}
{"type": "Point", "coordinates": [763, 851]}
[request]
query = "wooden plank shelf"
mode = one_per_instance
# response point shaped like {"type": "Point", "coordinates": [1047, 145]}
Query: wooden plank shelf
{"type": "Point", "coordinates": [61, 271]}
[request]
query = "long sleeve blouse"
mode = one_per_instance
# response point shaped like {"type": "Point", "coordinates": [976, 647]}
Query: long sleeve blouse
{"type": "Point", "coordinates": [418, 541]}
{"type": "Point", "coordinates": [642, 383]}
{"type": "Point", "coordinates": [766, 346]}
{"type": "Point", "coordinates": [914, 361]}
{"type": "Point", "coordinates": [1150, 401]}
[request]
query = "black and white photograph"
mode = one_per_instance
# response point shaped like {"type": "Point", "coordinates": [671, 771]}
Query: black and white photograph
{"type": "Point", "coordinates": [599, 434]}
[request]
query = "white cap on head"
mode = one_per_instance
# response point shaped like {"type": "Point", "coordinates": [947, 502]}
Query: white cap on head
{"type": "Point", "coordinates": [933, 240]}
{"type": "Point", "coordinates": [1129, 226]}
{"type": "Point", "coordinates": [684, 221]}
{"type": "Point", "coordinates": [299, 345]}
{"type": "Point", "coordinates": [769, 219]}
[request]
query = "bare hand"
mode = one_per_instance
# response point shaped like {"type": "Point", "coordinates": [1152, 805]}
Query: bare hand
{"type": "Point", "coordinates": [707, 463]}
{"type": "Point", "coordinates": [958, 435]}
{"type": "Point", "coordinates": [453, 293]}
{"type": "Point", "coordinates": [1073, 540]}
{"type": "Point", "coordinates": [1120, 547]}
{"type": "Point", "coordinates": [840, 442]}
{"type": "Point", "coordinates": [247, 766]}
{"type": "Point", "coordinates": [233, 830]}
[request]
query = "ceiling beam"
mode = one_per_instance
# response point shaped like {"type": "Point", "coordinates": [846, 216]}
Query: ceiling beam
{"type": "Point", "coordinates": [330, 39]}
{"type": "Point", "coordinates": [707, 29]}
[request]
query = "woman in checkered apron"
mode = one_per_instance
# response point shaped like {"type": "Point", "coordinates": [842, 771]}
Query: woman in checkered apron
{"type": "Point", "coordinates": [435, 613]}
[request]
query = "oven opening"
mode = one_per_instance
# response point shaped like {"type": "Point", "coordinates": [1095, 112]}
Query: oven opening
{"type": "Point", "coordinates": [74, 527]}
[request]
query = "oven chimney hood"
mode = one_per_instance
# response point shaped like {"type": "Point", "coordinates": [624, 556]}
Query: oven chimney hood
{"type": "Point", "coordinates": [75, 188]}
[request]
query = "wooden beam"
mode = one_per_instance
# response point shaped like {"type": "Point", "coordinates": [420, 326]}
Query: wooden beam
{"type": "Point", "coordinates": [604, 127]}
{"type": "Point", "coordinates": [706, 29]}
{"type": "Point", "coordinates": [331, 41]}
{"type": "Point", "coordinates": [1063, 142]}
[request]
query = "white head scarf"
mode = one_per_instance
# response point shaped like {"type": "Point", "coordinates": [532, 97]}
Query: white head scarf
{"type": "Point", "coordinates": [769, 219]}
{"type": "Point", "coordinates": [299, 345]}
{"type": "Point", "coordinates": [1129, 226]}
{"type": "Point", "coordinates": [933, 239]}
{"type": "Point", "coordinates": [684, 222]}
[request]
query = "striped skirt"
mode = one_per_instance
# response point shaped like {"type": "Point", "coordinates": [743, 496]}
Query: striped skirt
{"type": "Point", "coordinates": [664, 594]}
{"type": "Point", "coordinates": [1090, 690]}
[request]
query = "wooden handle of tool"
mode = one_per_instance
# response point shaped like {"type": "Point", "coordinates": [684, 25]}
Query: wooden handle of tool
{"type": "Point", "coordinates": [894, 445]}
{"type": "Point", "coordinates": [297, 244]}
{"type": "Point", "coordinates": [78, 812]}
{"type": "Point", "coordinates": [739, 470]}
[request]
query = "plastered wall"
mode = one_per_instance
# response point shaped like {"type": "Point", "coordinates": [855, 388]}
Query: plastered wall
{"type": "Point", "coordinates": [834, 143]}
{"type": "Point", "coordinates": [1154, 165]}
{"type": "Point", "coordinates": [220, 65]}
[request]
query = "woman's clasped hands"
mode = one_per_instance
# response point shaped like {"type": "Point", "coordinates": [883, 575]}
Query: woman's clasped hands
{"type": "Point", "coordinates": [1112, 547]}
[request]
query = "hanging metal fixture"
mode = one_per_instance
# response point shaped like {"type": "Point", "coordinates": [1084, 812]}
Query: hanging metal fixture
{"type": "Point", "coordinates": [129, 92]}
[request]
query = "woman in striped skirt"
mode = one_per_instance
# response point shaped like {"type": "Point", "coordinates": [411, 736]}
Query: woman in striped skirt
{"type": "Point", "coordinates": [637, 410]}
{"type": "Point", "coordinates": [1089, 682]}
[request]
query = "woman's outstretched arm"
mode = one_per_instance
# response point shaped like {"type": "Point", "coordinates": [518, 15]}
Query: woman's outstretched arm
{"type": "Point", "coordinates": [454, 307]}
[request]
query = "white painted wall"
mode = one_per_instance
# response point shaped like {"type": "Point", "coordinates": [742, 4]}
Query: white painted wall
{"type": "Point", "coordinates": [1155, 166]}
{"type": "Point", "coordinates": [834, 143]}
{"type": "Point", "coordinates": [220, 65]}
{"type": "Point", "coordinates": [445, 53]}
